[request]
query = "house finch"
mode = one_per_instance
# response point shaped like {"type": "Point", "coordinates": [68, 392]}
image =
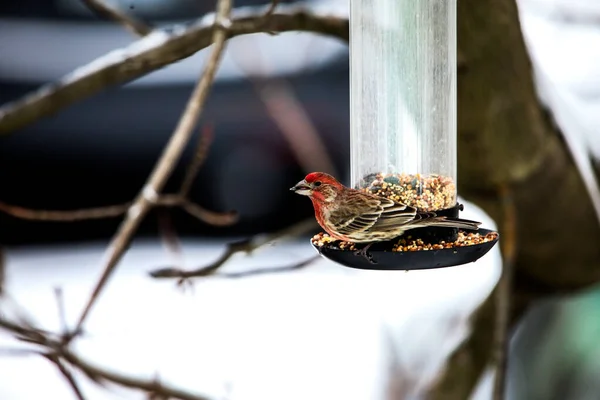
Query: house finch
{"type": "Point", "coordinates": [354, 216]}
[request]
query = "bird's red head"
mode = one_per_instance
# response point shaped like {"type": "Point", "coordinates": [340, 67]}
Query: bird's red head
{"type": "Point", "coordinates": [322, 177]}
{"type": "Point", "coordinates": [318, 186]}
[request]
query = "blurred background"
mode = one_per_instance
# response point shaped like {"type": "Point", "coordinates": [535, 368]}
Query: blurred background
{"type": "Point", "coordinates": [100, 151]}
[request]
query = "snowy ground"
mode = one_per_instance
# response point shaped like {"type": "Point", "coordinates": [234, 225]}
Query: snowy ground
{"type": "Point", "coordinates": [326, 332]}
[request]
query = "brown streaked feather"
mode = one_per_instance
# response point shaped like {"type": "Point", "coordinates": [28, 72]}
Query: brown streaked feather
{"type": "Point", "coordinates": [369, 212]}
{"type": "Point", "coordinates": [394, 215]}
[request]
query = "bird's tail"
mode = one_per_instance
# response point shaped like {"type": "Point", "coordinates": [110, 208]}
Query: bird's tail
{"type": "Point", "coordinates": [445, 222]}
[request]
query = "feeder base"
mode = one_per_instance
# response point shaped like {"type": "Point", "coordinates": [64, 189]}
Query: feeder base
{"type": "Point", "coordinates": [385, 259]}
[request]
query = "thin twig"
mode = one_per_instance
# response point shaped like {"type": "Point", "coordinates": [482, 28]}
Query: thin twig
{"type": "Point", "coordinates": [204, 142]}
{"type": "Point", "coordinates": [232, 249]}
{"type": "Point", "coordinates": [166, 163]}
{"type": "Point", "coordinates": [169, 237]}
{"type": "Point", "coordinates": [64, 216]}
{"type": "Point", "coordinates": [153, 52]}
{"type": "Point", "coordinates": [67, 374]}
{"type": "Point", "coordinates": [289, 115]}
{"type": "Point", "coordinates": [244, 246]}
{"type": "Point", "coordinates": [264, 271]}
{"type": "Point", "coordinates": [210, 217]}
{"type": "Point", "coordinates": [167, 200]}
{"type": "Point", "coordinates": [272, 7]}
{"type": "Point", "coordinates": [509, 252]}
{"type": "Point", "coordinates": [295, 124]}
{"type": "Point", "coordinates": [105, 11]}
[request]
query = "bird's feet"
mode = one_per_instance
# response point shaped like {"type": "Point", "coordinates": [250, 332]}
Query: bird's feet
{"type": "Point", "coordinates": [364, 252]}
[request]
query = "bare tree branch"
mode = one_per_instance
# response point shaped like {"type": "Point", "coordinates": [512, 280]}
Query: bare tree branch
{"type": "Point", "coordinates": [67, 374]}
{"type": "Point", "coordinates": [103, 10]}
{"type": "Point", "coordinates": [244, 246]}
{"type": "Point", "coordinates": [167, 161]}
{"type": "Point", "coordinates": [64, 216]}
{"type": "Point", "coordinates": [272, 7]}
{"type": "Point", "coordinates": [295, 124]}
{"type": "Point", "coordinates": [204, 142]}
{"type": "Point", "coordinates": [210, 217]}
{"type": "Point", "coordinates": [207, 216]}
{"type": "Point", "coordinates": [169, 238]}
{"type": "Point", "coordinates": [149, 386]}
{"type": "Point", "coordinates": [59, 353]}
{"type": "Point", "coordinates": [168, 233]}
{"type": "Point", "coordinates": [298, 129]}
{"type": "Point", "coordinates": [277, 270]}
{"type": "Point", "coordinates": [287, 112]}
{"type": "Point", "coordinates": [157, 50]}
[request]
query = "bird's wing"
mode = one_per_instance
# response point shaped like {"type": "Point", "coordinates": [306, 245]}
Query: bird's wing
{"type": "Point", "coordinates": [369, 211]}
{"type": "Point", "coordinates": [394, 215]}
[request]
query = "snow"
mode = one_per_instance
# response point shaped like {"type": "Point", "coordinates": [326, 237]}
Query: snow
{"type": "Point", "coordinates": [321, 333]}
{"type": "Point", "coordinates": [72, 50]}
{"type": "Point", "coordinates": [151, 41]}
{"type": "Point", "coordinates": [565, 53]}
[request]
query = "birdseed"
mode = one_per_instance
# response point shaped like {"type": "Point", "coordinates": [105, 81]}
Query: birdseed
{"type": "Point", "coordinates": [409, 244]}
{"type": "Point", "coordinates": [424, 192]}
{"type": "Point", "coordinates": [463, 239]}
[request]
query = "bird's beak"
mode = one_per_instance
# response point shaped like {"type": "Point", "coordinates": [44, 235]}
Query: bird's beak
{"type": "Point", "coordinates": [302, 188]}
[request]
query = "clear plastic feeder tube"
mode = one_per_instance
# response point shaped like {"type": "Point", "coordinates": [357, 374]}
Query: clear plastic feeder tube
{"type": "Point", "coordinates": [403, 100]}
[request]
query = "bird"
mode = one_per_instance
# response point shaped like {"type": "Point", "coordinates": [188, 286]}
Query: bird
{"type": "Point", "coordinates": [356, 216]}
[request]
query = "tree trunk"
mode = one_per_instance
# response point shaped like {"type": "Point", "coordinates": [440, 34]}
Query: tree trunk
{"type": "Point", "coordinates": [507, 140]}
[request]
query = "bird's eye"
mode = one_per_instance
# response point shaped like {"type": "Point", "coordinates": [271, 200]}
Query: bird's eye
{"type": "Point", "coordinates": [317, 183]}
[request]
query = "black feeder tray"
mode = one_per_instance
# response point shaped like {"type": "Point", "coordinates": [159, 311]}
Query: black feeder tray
{"type": "Point", "coordinates": [383, 258]}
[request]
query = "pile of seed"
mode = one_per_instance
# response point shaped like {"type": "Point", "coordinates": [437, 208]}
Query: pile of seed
{"type": "Point", "coordinates": [321, 239]}
{"type": "Point", "coordinates": [463, 239]}
{"type": "Point", "coordinates": [424, 192]}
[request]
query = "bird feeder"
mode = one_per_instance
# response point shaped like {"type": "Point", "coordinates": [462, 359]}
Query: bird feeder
{"type": "Point", "coordinates": [403, 128]}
